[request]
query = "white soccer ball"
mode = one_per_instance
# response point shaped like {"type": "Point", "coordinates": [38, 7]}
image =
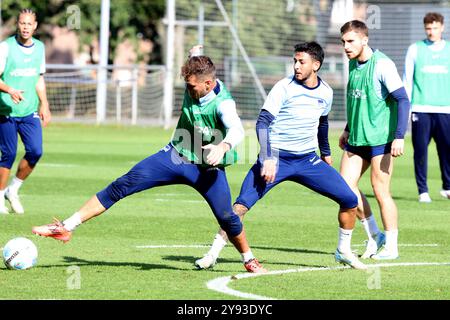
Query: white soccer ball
{"type": "Point", "coordinates": [20, 254]}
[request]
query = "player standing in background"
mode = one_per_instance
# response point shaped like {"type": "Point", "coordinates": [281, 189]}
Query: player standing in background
{"type": "Point", "coordinates": [427, 81]}
{"type": "Point", "coordinates": [377, 118]}
{"type": "Point", "coordinates": [292, 123]}
{"type": "Point", "coordinates": [23, 104]}
{"type": "Point", "coordinates": [208, 115]}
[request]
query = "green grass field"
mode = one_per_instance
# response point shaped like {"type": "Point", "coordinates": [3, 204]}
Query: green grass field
{"type": "Point", "coordinates": [291, 228]}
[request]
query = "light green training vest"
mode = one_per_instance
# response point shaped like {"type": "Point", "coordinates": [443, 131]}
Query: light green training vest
{"type": "Point", "coordinates": [199, 126]}
{"type": "Point", "coordinates": [22, 72]}
{"type": "Point", "coordinates": [431, 76]}
{"type": "Point", "coordinates": [372, 121]}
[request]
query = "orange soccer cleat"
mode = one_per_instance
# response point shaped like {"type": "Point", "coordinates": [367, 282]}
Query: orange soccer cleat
{"type": "Point", "coordinates": [54, 230]}
{"type": "Point", "coordinates": [254, 266]}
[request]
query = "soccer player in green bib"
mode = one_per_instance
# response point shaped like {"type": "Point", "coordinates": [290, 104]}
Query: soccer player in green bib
{"type": "Point", "coordinates": [377, 117]}
{"type": "Point", "coordinates": [427, 81]}
{"type": "Point", "coordinates": [23, 104]}
{"type": "Point", "coordinates": [202, 145]}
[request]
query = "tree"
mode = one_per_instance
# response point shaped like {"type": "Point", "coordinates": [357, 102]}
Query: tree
{"type": "Point", "coordinates": [129, 19]}
{"type": "Point", "coordinates": [265, 27]}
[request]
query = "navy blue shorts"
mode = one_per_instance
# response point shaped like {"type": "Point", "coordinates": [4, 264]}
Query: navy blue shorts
{"type": "Point", "coordinates": [308, 170]}
{"type": "Point", "coordinates": [166, 167]}
{"type": "Point", "coordinates": [30, 131]}
{"type": "Point", "coordinates": [368, 152]}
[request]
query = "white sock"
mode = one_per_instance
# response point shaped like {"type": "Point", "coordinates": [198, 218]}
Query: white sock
{"type": "Point", "coordinates": [345, 240]}
{"type": "Point", "coordinates": [365, 223]}
{"type": "Point", "coordinates": [15, 185]}
{"type": "Point", "coordinates": [370, 226]}
{"type": "Point", "coordinates": [71, 223]}
{"type": "Point", "coordinates": [391, 240]}
{"type": "Point", "coordinates": [217, 246]}
{"type": "Point", "coordinates": [247, 256]}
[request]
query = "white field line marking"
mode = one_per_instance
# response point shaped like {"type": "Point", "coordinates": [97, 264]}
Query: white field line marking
{"type": "Point", "coordinates": [406, 245]}
{"type": "Point", "coordinates": [221, 284]}
{"type": "Point", "coordinates": [59, 165]}
{"type": "Point", "coordinates": [180, 200]}
{"type": "Point", "coordinates": [173, 246]}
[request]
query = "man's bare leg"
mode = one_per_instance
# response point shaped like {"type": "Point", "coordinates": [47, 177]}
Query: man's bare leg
{"type": "Point", "coordinates": [220, 240]}
{"type": "Point", "coordinates": [382, 169]}
{"type": "Point", "coordinates": [4, 176]}
{"type": "Point", "coordinates": [344, 254]}
{"type": "Point", "coordinates": [24, 169]}
{"type": "Point", "coordinates": [63, 231]}
{"type": "Point", "coordinates": [352, 168]}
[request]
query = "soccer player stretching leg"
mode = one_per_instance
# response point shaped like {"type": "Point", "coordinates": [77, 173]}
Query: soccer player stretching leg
{"type": "Point", "coordinates": [292, 123]}
{"type": "Point", "coordinates": [208, 114]}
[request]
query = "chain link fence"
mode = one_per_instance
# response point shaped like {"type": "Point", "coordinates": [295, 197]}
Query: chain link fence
{"type": "Point", "coordinates": [268, 31]}
{"type": "Point", "coordinates": [134, 93]}
{"type": "Point", "coordinates": [251, 43]}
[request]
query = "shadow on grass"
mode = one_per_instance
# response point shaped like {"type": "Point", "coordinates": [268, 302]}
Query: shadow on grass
{"type": "Point", "coordinates": [70, 261]}
{"type": "Point", "coordinates": [295, 250]}
{"type": "Point", "coordinates": [191, 259]}
{"type": "Point", "coordinates": [409, 198]}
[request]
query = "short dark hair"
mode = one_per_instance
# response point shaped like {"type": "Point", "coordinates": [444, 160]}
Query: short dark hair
{"type": "Point", "coordinates": [313, 49]}
{"type": "Point", "coordinates": [431, 17]}
{"type": "Point", "coordinates": [355, 25]}
{"type": "Point", "coordinates": [27, 11]}
{"type": "Point", "coordinates": [198, 66]}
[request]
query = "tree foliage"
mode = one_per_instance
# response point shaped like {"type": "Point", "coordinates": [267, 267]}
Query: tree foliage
{"type": "Point", "coordinates": [128, 20]}
{"type": "Point", "coordinates": [265, 27]}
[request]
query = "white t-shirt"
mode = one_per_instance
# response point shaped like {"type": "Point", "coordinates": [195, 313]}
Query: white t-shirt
{"type": "Point", "coordinates": [297, 110]}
